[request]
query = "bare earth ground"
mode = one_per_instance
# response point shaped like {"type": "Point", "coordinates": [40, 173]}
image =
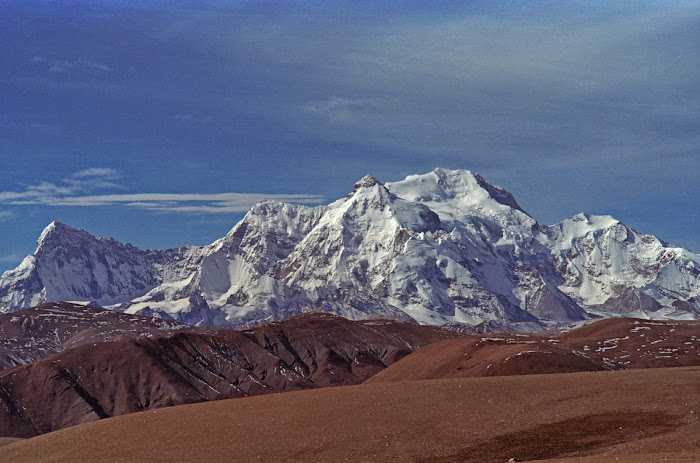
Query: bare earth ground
{"type": "Point", "coordinates": [9, 440]}
{"type": "Point", "coordinates": [646, 415]}
{"type": "Point", "coordinates": [611, 344]}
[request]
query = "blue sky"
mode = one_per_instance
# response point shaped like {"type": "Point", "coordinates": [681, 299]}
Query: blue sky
{"type": "Point", "coordinates": [160, 123]}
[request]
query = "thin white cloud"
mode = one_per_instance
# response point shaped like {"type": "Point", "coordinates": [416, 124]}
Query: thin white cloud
{"type": "Point", "coordinates": [10, 258]}
{"type": "Point", "coordinates": [472, 82]}
{"type": "Point", "coordinates": [96, 172]}
{"type": "Point", "coordinates": [47, 193]}
{"type": "Point", "coordinates": [186, 118]}
{"type": "Point", "coordinates": [84, 181]}
{"type": "Point", "coordinates": [65, 65]}
{"type": "Point", "coordinates": [66, 194]}
{"type": "Point", "coordinates": [339, 110]}
{"type": "Point", "coordinates": [337, 103]}
{"type": "Point", "coordinates": [7, 196]}
{"type": "Point", "coordinates": [93, 65]}
{"type": "Point", "coordinates": [92, 179]}
{"type": "Point", "coordinates": [219, 203]}
{"type": "Point", "coordinates": [46, 188]}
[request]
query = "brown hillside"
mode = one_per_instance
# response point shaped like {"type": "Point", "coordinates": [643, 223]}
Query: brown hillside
{"type": "Point", "coordinates": [628, 416]}
{"type": "Point", "coordinates": [101, 380]}
{"type": "Point", "coordinates": [32, 334]}
{"type": "Point", "coordinates": [611, 344]}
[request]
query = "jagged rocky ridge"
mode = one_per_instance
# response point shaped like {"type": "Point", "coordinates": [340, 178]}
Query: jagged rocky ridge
{"type": "Point", "coordinates": [443, 247]}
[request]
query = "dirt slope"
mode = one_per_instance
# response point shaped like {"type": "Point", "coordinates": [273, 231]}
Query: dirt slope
{"type": "Point", "coordinates": [635, 415]}
{"type": "Point", "coordinates": [611, 344]}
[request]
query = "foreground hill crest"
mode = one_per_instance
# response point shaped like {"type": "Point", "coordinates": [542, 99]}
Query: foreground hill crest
{"type": "Point", "coordinates": [442, 247]}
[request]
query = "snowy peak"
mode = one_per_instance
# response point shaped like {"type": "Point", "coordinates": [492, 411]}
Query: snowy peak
{"type": "Point", "coordinates": [58, 236]}
{"type": "Point", "coordinates": [566, 233]}
{"type": "Point", "coordinates": [73, 265]}
{"type": "Point", "coordinates": [445, 246]}
{"type": "Point", "coordinates": [368, 193]}
{"type": "Point", "coordinates": [369, 188]}
{"type": "Point", "coordinates": [582, 223]}
{"type": "Point", "coordinates": [435, 186]}
{"type": "Point", "coordinates": [603, 261]}
{"type": "Point", "coordinates": [50, 228]}
{"type": "Point", "coordinates": [444, 185]}
{"type": "Point", "coordinates": [277, 217]}
{"type": "Point", "coordinates": [460, 196]}
{"type": "Point", "coordinates": [499, 194]}
{"type": "Point", "coordinates": [365, 182]}
{"type": "Point", "coordinates": [371, 202]}
{"type": "Point", "coordinates": [58, 231]}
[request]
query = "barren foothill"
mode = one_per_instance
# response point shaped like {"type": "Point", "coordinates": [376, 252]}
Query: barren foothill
{"type": "Point", "coordinates": [609, 344]}
{"type": "Point", "coordinates": [592, 416]}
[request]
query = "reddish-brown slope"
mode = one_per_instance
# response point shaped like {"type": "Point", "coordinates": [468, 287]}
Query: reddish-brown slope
{"type": "Point", "coordinates": [32, 334]}
{"type": "Point", "coordinates": [636, 415]}
{"type": "Point", "coordinates": [605, 345]}
{"type": "Point", "coordinates": [115, 378]}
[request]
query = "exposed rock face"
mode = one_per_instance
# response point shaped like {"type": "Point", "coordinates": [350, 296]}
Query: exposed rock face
{"type": "Point", "coordinates": [629, 301]}
{"type": "Point", "coordinates": [99, 380]}
{"type": "Point", "coordinates": [443, 247]}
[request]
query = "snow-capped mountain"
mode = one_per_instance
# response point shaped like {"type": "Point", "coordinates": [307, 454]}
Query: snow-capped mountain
{"type": "Point", "coordinates": [443, 247]}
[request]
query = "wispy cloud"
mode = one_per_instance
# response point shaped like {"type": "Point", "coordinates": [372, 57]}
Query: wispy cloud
{"type": "Point", "coordinates": [66, 65]}
{"type": "Point", "coordinates": [473, 82]}
{"type": "Point", "coordinates": [172, 202]}
{"type": "Point", "coordinates": [10, 258]}
{"type": "Point", "coordinates": [96, 172]}
{"type": "Point", "coordinates": [192, 119]}
{"type": "Point", "coordinates": [67, 193]}
{"type": "Point", "coordinates": [93, 179]}
{"type": "Point", "coordinates": [84, 181]}
{"type": "Point", "coordinates": [338, 109]}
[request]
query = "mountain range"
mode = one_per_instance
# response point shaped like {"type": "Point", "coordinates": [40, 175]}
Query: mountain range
{"type": "Point", "coordinates": [442, 247]}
